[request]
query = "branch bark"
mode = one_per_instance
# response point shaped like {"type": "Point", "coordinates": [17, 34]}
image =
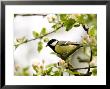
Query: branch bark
{"type": "Point", "coordinates": [30, 15]}
{"type": "Point", "coordinates": [84, 68]}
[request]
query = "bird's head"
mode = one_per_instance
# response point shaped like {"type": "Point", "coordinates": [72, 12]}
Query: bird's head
{"type": "Point", "coordinates": [52, 43]}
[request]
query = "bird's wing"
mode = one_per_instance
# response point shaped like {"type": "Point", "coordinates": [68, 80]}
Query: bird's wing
{"type": "Point", "coordinates": [65, 43]}
{"type": "Point", "coordinates": [65, 48]}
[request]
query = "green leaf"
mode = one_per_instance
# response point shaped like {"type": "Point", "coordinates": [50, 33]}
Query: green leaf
{"type": "Point", "coordinates": [35, 67]}
{"type": "Point", "coordinates": [92, 31]}
{"type": "Point", "coordinates": [72, 72]}
{"type": "Point", "coordinates": [16, 46]}
{"type": "Point", "coordinates": [25, 69]}
{"type": "Point", "coordinates": [43, 31]}
{"type": "Point", "coordinates": [69, 24]}
{"type": "Point", "coordinates": [81, 19]}
{"type": "Point", "coordinates": [51, 65]}
{"type": "Point", "coordinates": [40, 46]}
{"type": "Point", "coordinates": [34, 74]}
{"type": "Point", "coordinates": [54, 26]}
{"type": "Point", "coordinates": [57, 26]}
{"type": "Point", "coordinates": [63, 17]}
{"type": "Point", "coordinates": [25, 73]}
{"type": "Point", "coordinates": [57, 73]}
{"type": "Point", "coordinates": [94, 71]}
{"type": "Point", "coordinates": [48, 71]}
{"type": "Point", "coordinates": [94, 50]}
{"type": "Point", "coordinates": [76, 25]}
{"type": "Point", "coordinates": [46, 39]}
{"type": "Point", "coordinates": [35, 34]}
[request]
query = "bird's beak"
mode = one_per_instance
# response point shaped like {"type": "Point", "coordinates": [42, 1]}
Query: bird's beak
{"type": "Point", "coordinates": [46, 45]}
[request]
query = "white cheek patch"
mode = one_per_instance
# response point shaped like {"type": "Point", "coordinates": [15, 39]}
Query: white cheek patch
{"type": "Point", "coordinates": [54, 43]}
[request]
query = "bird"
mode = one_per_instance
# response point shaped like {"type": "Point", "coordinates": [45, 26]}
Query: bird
{"type": "Point", "coordinates": [63, 48]}
{"type": "Point", "coordinates": [72, 53]}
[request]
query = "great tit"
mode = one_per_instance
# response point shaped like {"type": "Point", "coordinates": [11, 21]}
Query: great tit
{"type": "Point", "coordinates": [63, 48]}
{"type": "Point", "coordinates": [73, 53]}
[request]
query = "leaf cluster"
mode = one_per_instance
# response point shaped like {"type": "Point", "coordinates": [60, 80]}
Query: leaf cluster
{"type": "Point", "coordinates": [22, 71]}
{"type": "Point", "coordinates": [40, 35]}
{"type": "Point", "coordinates": [20, 41]}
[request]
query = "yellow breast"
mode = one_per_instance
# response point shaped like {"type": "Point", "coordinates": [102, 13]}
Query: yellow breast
{"type": "Point", "coordinates": [64, 49]}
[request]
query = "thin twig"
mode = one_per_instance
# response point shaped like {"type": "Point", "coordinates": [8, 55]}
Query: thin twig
{"type": "Point", "coordinates": [30, 15]}
{"type": "Point", "coordinates": [84, 68]}
{"type": "Point", "coordinates": [85, 28]}
{"type": "Point", "coordinates": [40, 37]}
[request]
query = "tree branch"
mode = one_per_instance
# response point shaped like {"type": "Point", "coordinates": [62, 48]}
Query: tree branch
{"type": "Point", "coordinates": [83, 68]}
{"type": "Point", "coordinates": [30, 15]}
{"type": "Point", "coordinates": [85, 28]}
{"type": "Point", "coordinates": [40, 37]}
